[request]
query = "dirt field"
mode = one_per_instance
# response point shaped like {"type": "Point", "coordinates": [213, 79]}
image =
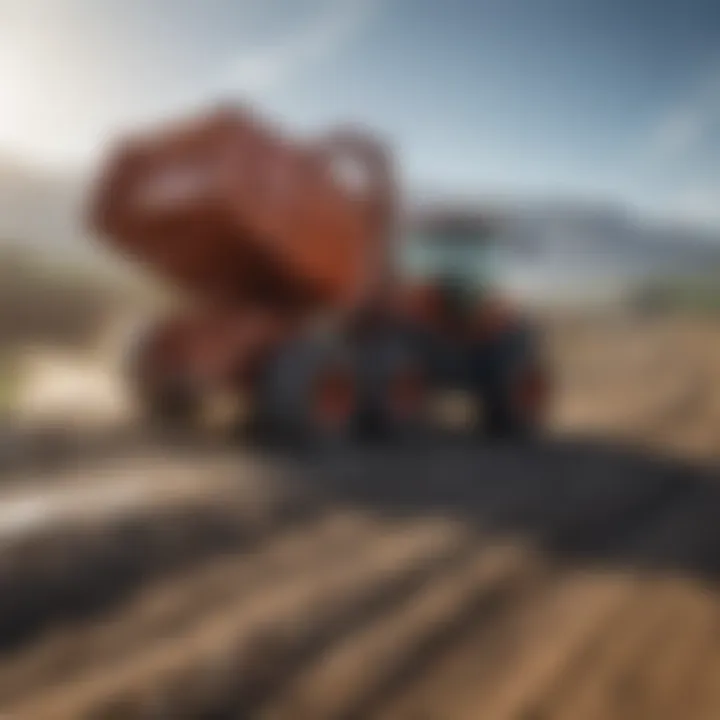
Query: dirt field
{"type": "Point", "coordinates": [571, 580]}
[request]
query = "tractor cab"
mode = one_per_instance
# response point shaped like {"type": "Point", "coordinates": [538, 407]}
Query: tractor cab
{"type": "Point", "coordinates": [450, 257]}
{"type": "Point", "coordinates": [469, 336]}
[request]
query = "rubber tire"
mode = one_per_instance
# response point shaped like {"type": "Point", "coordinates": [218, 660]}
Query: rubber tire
{"type": "Point", "coordinates": [284, 396]}
{"type": "Point", "coordinates": [510, 356]}
{"type": "Point", "coordinates": [382, 359]}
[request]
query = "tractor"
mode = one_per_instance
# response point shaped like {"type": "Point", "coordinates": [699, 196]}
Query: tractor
{"type": "Point", "coordinates": [311, 296]}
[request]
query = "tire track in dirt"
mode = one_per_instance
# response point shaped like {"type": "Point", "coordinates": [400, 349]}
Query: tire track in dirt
{"type": "Point", "coordinates": [539, 634]}
{"type": "Point", "coordinates": [256, 639]}
{"type": "Point", "coordinates": [358, 674]}
{"type": "Point", "coordinates": [79, 568]}
{"type": "Point", "coordinates": [543, 634]}
{"type": "Point", "coordinates": [177, 603]}
{"type": "Point", "coordinates": [591, 679]}
{"type": "Point", "coordinates": [558, 583]}
{"type": "Point", "coordinates": [509, 505]}
{"type": "Point", "coordinates": [599, 671]}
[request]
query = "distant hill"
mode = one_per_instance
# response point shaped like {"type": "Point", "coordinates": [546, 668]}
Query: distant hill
{"type": "Point", "coordinates": [555, 243]}
{"type": "Point", "coordinates": [570, 248]}
{"type": "Point", "coordinates": [575, 246]}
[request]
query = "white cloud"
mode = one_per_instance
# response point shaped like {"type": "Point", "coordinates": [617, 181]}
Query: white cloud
{"type": "Point", "coordinates": [685, 127]}
{"type": "Point", "coordinates": [698, 205]}
{"type": "Point", "coordinates": [678, 133]}
{"type": "Point", "coordinates": [270, 66]}
{"type": "Point", "coordinates": [679, 137]}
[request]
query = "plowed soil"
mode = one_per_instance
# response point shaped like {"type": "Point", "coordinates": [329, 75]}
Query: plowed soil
{"type": "Point", "coordinates": [571, 579]}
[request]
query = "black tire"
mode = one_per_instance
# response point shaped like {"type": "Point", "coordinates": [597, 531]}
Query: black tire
{"type": "Point", "coordinates": [388, 362]}
{"type": "Point", "coordinates": [285, 403]}
{"type": "Point", "coordinates": [513, 359]}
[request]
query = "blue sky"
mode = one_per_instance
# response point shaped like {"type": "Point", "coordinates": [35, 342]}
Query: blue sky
{"type": "Point", "coordinates": [610, 98]}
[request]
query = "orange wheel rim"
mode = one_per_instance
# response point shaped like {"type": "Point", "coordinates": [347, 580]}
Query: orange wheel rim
{"type": "Point", "coordinates": [334, 398]}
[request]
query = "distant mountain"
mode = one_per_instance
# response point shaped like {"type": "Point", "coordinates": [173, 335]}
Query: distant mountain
{"type": "Point", "coordinates": [613, 238]}
{"type": "Point", "coordinates": [554, 243]}
{"type": "Point", "coordinates": [570, 247]}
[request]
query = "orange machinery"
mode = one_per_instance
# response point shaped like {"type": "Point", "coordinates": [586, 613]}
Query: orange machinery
{"type": "Point", "coordinates": [284, 246]}
{"type": "Point", "coordinates": [232, 211]}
